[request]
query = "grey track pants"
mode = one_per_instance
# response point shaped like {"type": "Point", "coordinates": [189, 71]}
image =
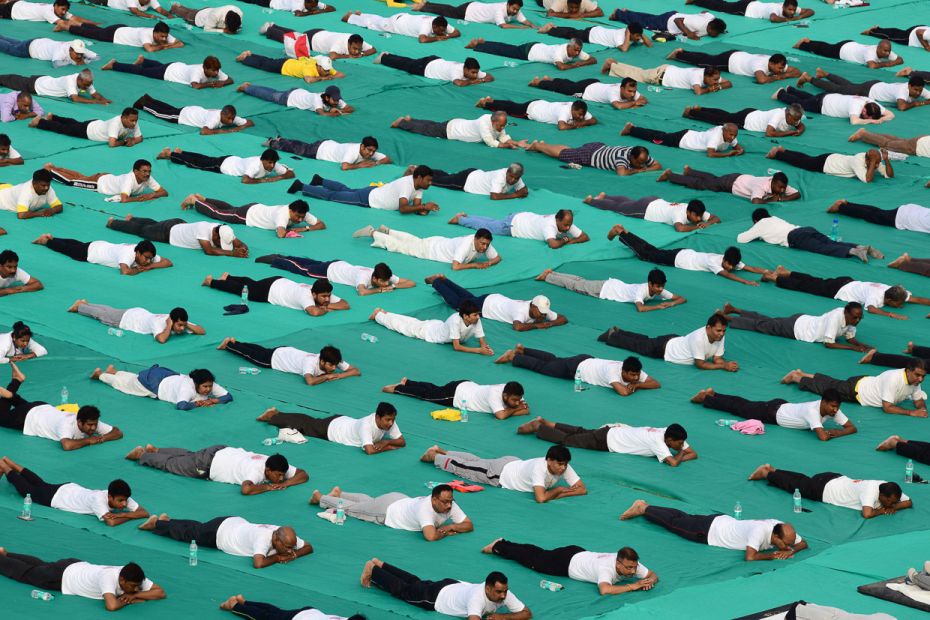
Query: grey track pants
{"type": "Point", "coordinates": [576, 283]}
{"type": "Point", "coordinates": [363, 507]}
{"type": "Point", "coordinates": [181, 462]}
{"type": "Point", "coordinates": [471, 467]}
{"type": "Point", "coordinates": [108, 315]}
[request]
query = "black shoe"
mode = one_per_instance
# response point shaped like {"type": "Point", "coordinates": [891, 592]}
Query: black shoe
{"type": "Point", "coordinates": [268, 259]}
{"type": "Point", "coordinates": [316, 180]}
{"type": "Point", "coordinates": [295, 187]}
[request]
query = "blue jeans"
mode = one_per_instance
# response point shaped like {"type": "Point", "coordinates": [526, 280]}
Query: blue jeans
{"type": "Point", "coordinates": [269, 94]}
{"type": "Point", "coordinates": [454, 295]}
{"type": "Point", "coordinates": [649, 21]}
{"type": "Point", "coordinates": [497, 227]}
{"type": "Point", "coordinates": [14, 47]}
{"type": "Point", "coordinates": [335, 191]}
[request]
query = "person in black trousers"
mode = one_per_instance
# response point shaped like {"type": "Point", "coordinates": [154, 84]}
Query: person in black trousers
{"type": "Point", "coordinates": [869, 213]}
{"type": "Point", "coordinates": [33, 571]}
{"type": "Point", "coordinates": [404, 586]}
{"type": "Point", "coordinates": [900, 36]}
{"type": "Point", "coordinates": [895, 296]}
{"type": "Point", "coordinates": [258, 289]}
{"type": "Point", "coordinates": [511, 396]}
{"type": "Point", "coordinates": [892, 360]}
{"type": "Point", "coordinates": [909, 448]}
{"type": "Point", "coordinates": [814, 103]}
{"type": "Point", "coordinates": [255, 610]}
{"type": "Point", "coordinates": [634, 34]}
{"type": "Point", "coordinates": [789, 9]}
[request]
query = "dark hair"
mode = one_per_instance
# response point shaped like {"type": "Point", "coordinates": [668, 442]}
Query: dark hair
{"type": "Point", "coordinates": [558, 453]}
{"type": "Point", "coordinates": [330, 355]}
{"type": "Point", "coordinates": [578, 2]}
{"type": "Point", "coordinates": [760, 214]}
{"type": "Point", "coordinates": [141, 162]}
{"type": "Point", "coordinates": [831, 395]}
{"type": "Point", "coordinates": [268, 154]}
{"type": "Point", "coordinates": [657, 276]}
{"type": "Point", "coordinates": [299, 206]}
{"type": "Point", "coordinates": [161, 27]}
{"type": "Point", "coordinates": [7, 256]}
{"type": "Point", "coordinates": [781, 177]}
{"type": "Point", "coordinates": [632, 364]}
{"type": "Point", "coordinates": [628, 553]}
{"type": "Point", "coordinates": [87, 413]}
{"type": "Point", "coordinates": [732, 255]}
{"type": "Point", "coordinates": [370, 141]}
{"type": "Point", "coordinates": [468, 307]}
{"type": "Point", "coordinates": [896, 293]}
{"type": "Point", "coordinates": [676, 432]}
{"type": "Point", "coordinates": [562, 213]}
{"type": "Point", "coordinates": [422, 171]}
{"type": "Point", "coordinates": [717, 319]}
{"type": "Point", "coordinates": [915, 363]}
{"type": "Point", "coordinates": [637, 151]}
{"type": "Point", "coordinates": [627, 80]}
{"type": "Point", "coordinates": [484, 233]}
{"type": "Point", "coordinates": [889, 489]}
{"type": "Point", "coordinates": [517, 2]}
{"type": "Point", "coordinates": [697, 207]}
{"type": "Point", "coordinates": [356, 39]}
{"type": "Point", "coordinates": [233, 21]}
{"type": "Point", "coordinates": [472, 63]}
{"type": "Point", "coordinates": [353, 616]}
{"type": "Point", "coordinates": [132, 572]}
{"type": "Point", "coordinates": [495, 577]}
{"type": "Point", "coordinates": [793, 3]}
{"type": "Point", "coordinates": [853, 305]}
{"type": "Point", "coordinates": [42, 176]}
{"type": "Point", "coordinates": [872, 110]}
{"type": "Point", "coordinates": [119, 488]}
{"type": "Point", "coordinates": [779, 530]}
{"type": "Point", "coordinates": [711, 71]}
{"type": "Point", "coordinates": [20, 329]}
{"type": "Point", "coordinates": [580, 105]}
{"type": "Point", "coordinates": [146, 247]}
{"type": "Point", "coordinates": [440, 22]}
{"type": "Point", "coordinates": [62, 3]}
{"type": "Point", "coordinates": [230, 110]}
{"type": "Point", "coordinates": [178, 314]}
{"type": "Point", "coordinates": [201, 375]}
{"type": "Point", "coordinates": [513, 388]}
{"type": "Point", "coordinates": [716, 26]}
{"type": "Point", "coordinates": [382, 272]}
{"type": "Point", "coordinates": [321, 286]}
{"type": "Point", "coordinates": [778, 59]}
{"type": "Point", "coordinates": [634, 28]}
{"type": "Point", "coordinates": [4, 140]}
{"type": "Point", "coordinates": [212, 62]}
{"type": "Point", "coordinates": [385, 409]}
{"type": "Point", "coordinates": [439, 489]}
{"type": "Point", "coordinates": [916, 80]}
{"type": "Point", "coordinates": [277, 462]}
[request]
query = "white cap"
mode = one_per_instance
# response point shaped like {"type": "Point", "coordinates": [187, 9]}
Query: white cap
{"type": "Point", "coordinates": [542, 303]}
{"type": "Point", "coordinates": [78, 46]}
{"type": "Point", "coordinates": [324, 62]}
{"type": "Point", "coordinates": [227, 236]}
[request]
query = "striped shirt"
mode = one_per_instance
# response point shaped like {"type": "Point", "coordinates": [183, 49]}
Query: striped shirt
{"type": "Point", "coordinates": [613, 157]}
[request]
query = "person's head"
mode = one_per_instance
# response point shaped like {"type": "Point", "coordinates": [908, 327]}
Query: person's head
{"type": "Point", "coordinates": [889, 494]}
{"type": "Point", "coordinates": [873, 157]}
{"type": "Point", "coordinates": [471, 68]}
{"type": "Point", "coordinates": [716, 327]}
{"type": "Point", "coordinates": [830, 402]}
{"type": "Point", "coordinates": [716, 27]}
{"type": "Point", "coordinates": [760, 214]}
{"type": "Point", "coordinates": [330, 358]}
{"type": "Point", "coordinates": [573, 47]}
{"type": "Point", "coordinates": [711, 77]}
{"type": "Point", "coordinates": [21, 335]}
{"type": "Point", "coordinates": [179, 319]}
{"type": "Point", "coordinates": [499, 120]}
{"type": "Point", "coordinates": [631, 370]}
{"type": "Point", "coordinates": [331, 96]}
{"type": "Point", "coordinates": [160, 33]}
{"type": "Point", "coordinates": [627, 562]}
{"type": "Point", "coordinates": [579, 110]}
{"type": "Point", "coordinates": [557, 459]}
{"type": "Point", "coordinates": [368, 147]}
{"type": "Point", "coordinates": [385, 415]}
{"type": "Point", "coordinates": [439, 26]}
{"type": "Point", "coordinates": [233, 22]}
{"type": "Point", "coordinates": [628, 89]}
{"type": "Point", "coordinates": [9, 263]}
{"type": "Point", "coordinates": [355, 44]}
{"type": "Point", "coordinates": [441, 498]}
{"type": "Point", "coordinates": [777, 63]}
{"type": "Point", "coordinates": [211, 66]}
{"type": "Point", "coordinates": [61, 8]}
{"type": "Point", "coordinates": [131, 577]}
{"type": "Point", "coordinates": [896, 296]}
{"type": "Point", "coordinates": [732, 257]}
{"type": "Point", "coordinates": [322, 291]}
{"type": "Point", "coordinates": [656, 282]}
{"type": "Point", "coordinates": [915, 371]}
{"type": "Point", "coordinates": [495, 587]}
{"type": "Point", "coordinates": [118, 493]}
{"type": "Point", "coordinates": [871, 110]}
{"type": "Point", "coordinates": [852, 313]}
{"type": "Point", "coordinates": [228, 115]}
{"type": "Point", "coordinates": [675, 436]}
{"type": "Point", "coordinates": [223, 237]}
{"type": "Point", "coordinates": [512, 394]}
{"type": "Point", "coordinates": [276, 467]}
{"type": "Point", "coordinates": [513, 7]}
{"type": "Point", "coordinates": [284, 540]}
{"type": "Point", "coordinates": [5, 145]}
{"type": "Point", "coordinates": [88, 417]}
{"type": "Point", "coordinates": [269, 157]}
{"type": "Point", "coordinates": [564, 220]}
{"type": "Point", "coordinates": [297, 211]}
{"type": "Point", "coordinates": [469, 312]}
{"type": "Point", "coordinates": [514, 173]}
{"type": "Point", "coordinates": [483, 238]}
{"type": "Point", "coordinates": [41, 181]}
{"type": "Point", "coordinates": [784, 535]}
{"type": "Point", "coordinates": [85, 79]}
{"type": "Point", "coordinates": [883, 49]}
{"type": "Point", "coordinates": [574, 7]}
{"type": "Point", "coordinates": [789, 8]}
{"type": "Point", "coordinates": [779, 183]}
{"type": "Point", "coordinates": [145, 252]}
{"type": "Point", "coordinates": [915, 86]}
{"type": "Point", "coordinates": [422, 177]}
{"type": "Point", "coordinates": [539, 308]}
{"type": "Point", "coordinates": [639, 157]}
{"type": "Point", "coordinates": [129, 118]}
{"type": "Point", "coordinates": [635, 31]}
{"type": "Point", "coordinates": [695, 211]}
{"type": "Point", "coordinates": [381, 276]}
{"type": "Point", "coordinates": [142, 170]}
{"type": "Point", "coordinates": [76, 51]}
{"type": "Point", "coordinates": [203, 381]}
{"type": "Point", "coordinates": [24, 102]}
{"type": "Point", "coordinates": [311, 5]}
{"type": "Point", "coordinates": [730, 131]}
{"type": "Point", "coordinates": [794, 114]}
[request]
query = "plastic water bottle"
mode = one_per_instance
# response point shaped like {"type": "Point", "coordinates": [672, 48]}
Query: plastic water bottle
{"type": "Point", "coordinates": [738, 511]}
{"type": "Point", "coordinates": [386, 35]}
{"type": "Point", "coordinates": [579, 387]}
{"type": "Point", "coordinates": [340, 513]}
{"type": "Point", "coordinates": [192, 555]}
{"type": "Point", "coordinates": [652, 88]}
{"type": "Point", "coordinates": [27, 508]}
{"type": "Point", "coordinates": [510, 63]}
{"type": "Point", "coordinates": [245, 295]}
{"type": "Point", "coordinates": [793, 59]}
{"type": "Point", "coordinates": [803, 24]}
{"type": "Point", "coordinates": [271, 441]}
{"type": "Point", "coordinates": [908, 474]}
{"type": "Point", "coordinates": [725, 422]}
{"type": "Point", "coordinates": [797, 501]}
{"type": "Point", "coordinates": [65, 395]}
{"type": "Point", "coordinates": [464, 411]}
{"type": "Point", "coordinates": [115, 331]}
{"type": "Point", "coordinates": [248, 370]}
{"type": "Point", "coordinates": [772, 171]}
{"type": "Point", "coordinates": [432, 484]}
{"type": "Point", "coordinates": [552, 586]}
{"type": "Point", "coordinates": [835, 230]}
{"type": "Point", "coordinates": [42, 595]}
{"type": "Point", "coordinates": [366, 337]}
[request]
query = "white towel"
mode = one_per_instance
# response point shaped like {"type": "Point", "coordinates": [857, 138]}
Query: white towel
{"type": "Point", "coordinates": [291, 435]}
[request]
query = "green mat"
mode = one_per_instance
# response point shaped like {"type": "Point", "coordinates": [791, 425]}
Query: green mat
{"type": "Point", "coordinates": [696, 581]}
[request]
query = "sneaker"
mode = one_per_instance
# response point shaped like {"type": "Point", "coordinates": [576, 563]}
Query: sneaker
{"type": "Point", "coordinates": [264, 28]}
{"type": "Point", "coordinates": [295, 187]}
{"type": "Point", "coordinates": [364, 232]}
{"type": "Point", "coordinates": [291, 435]}
{"type": "Point", "coordinates": [329, 514]}
{"type": "Point", "coordinates": [268, 141]}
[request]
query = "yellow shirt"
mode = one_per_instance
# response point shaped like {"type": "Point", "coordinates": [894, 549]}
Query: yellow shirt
{"type": "Point", "coordinates": [302, 67]}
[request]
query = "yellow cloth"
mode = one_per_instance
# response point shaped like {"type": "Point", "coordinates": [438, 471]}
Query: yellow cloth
{"type": "Point", "coordinates": [68, 407]}
{"type": "Point", "coordinates": [302, 67]}
{"type": "Point", "coordinates": [449, 415]}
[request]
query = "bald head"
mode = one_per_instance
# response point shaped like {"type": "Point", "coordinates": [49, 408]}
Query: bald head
{"type": "Point", "coordinates": [286, 536]}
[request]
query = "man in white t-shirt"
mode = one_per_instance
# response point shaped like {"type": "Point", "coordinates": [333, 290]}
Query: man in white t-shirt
{"type": "Point", "coordinates": [501, 14]}
{"type": "Point", "coordinates": [717, 142]}
{"type": "Point", "coordinates": [618, 290]}
{"type": "Point", "coordinates": [488, 128]}
{"type": "Point", "coordinates": [335, 44]}
{"type": "Point", "coordinates": [775, 12]}
{"type": "Point", "coordinates": [56, 13]}
{"type": "Point", "coordinates": [871, 497]}
{"type": "Point", "coordinates": [699, 81]}
{"type": "Point", "coordinates": [811, 415]}
{"type": "Point", "coordinates": [873, 56]}
{"type": "Point", "coordinates": [267, 545]}
{"type": "Point", "coordinates": [539, 476]}
{"type": "Point", "coordinates": [224, 19]}
{"type": "Point", "coordinates": [30, 199]}
{"type": "Point", "coordinates": [11, 274]}
{"type": "Point", "coordinates": [130, 259]}
{"type": "Point", "coordinates": [205, 75]}
{"type": "Point", "coordinates": [254, 473]}
{"type": "Point", "coordinates": [72, 430]}
{"type": "Point", "coordinates": [424, 29]}
{"type": "Point", "coordinates": [684, 217]}
{"type": "Point", "coordinates": [259, 610]}
{"type": "Point", "coordinates": [624, 377]}
{"type": "Point", "coordinates": [557, 230]}
{"type": "Point", "coordinates": [114, 506]}
{"type": "Point", "coordinates": [151, 40]}
{"type": "Point", "coordinates": [404, 195]}
{"type": "Point", "coordinates": [137, 185]}
{"type": "Point", "coordinates": [753, 536]}
{"type": "Point", "coordinates": [778, 123]}
{"type": "Point", "coordinates": [450, 597]}
{"type": "Point", "coordinates": [906, 217]}
{"type": "Point", "coordinates": [327, 103]}
{"type": "Point", "coordinates": [467, 73]}
{"type": "Point", "coordinates": [315, 368]}
{"type": "Point", "coordinates": [764, 68]}
{"type": "Point", "coordinates": [315, 300]}
{"type": "Point", "coordinates": [905, 95]}
{"type": "Point", "coordinates": [572, 9]}
{"type": "Point", "coordinates": [436, 516]}
{"type": "Point", "coordinates": [458, 328]}
{"type": "Point", "coordinates": [210, 121]}
{"type": "Point", "coordinates": [502, 399]}
{"type": "Point", "coordinates": [564, 114]}
{"type": "Point", "coordinates": [122, 130]}
{"type": "Point", "coordinates": [693, 350]}
{"type": "Point", "coordinates": [58, 53]}
{"type": "Point", "coordinates": [365, 280]}
{"type": "Point", "coordinates": [375, 433]}
{"type": "Point", "coordinates": [286, 220]}
{"type": "Point", "coordinates": [862, 166]}
{"type": "Point", "coordinates": [564, 56]}
{"type": "Point", "coordinates": [264, 168]}
{"type": "Point", "coordinates": [350, 155]}
{"type": "Point", "coordinates": [692, 25]}
{"type": "Point", "coordinates": [136, 7]}
{"type": "Point", "coordinates": [460, 252]}
{"type": "Point", "coordinates": [141, 321]}
{"type": "Point", "coordinates": [210, 238]}
{"type": "Point", "coordinates": [603, 569]}
{"type": "Point", "coordinates": [826, 328]}
{"type": "Point", "coordinates": [777, 231]}
{"type": "Point", "coordinates": [78, 87]}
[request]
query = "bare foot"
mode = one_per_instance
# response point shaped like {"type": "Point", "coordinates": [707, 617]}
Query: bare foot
{"type": "Point", "coordinates": [430, 455]}
{"type": "Point", "coordinates": [775, 150]}
{"type": "Point", "coordinates": [507, 357]}
{"type": "Point", "coordinates": [43, 239]}
{"type": "Point", "coordinates": [605, 68]}
{"type": "Point", "coordinates": [17, 373]}
{"type": "Point", "coordinates": [455, 218]}
{"type": "Point", "coordinates": [269, 413]}
{"type": "Point", "coordinates": [135, 453]}
{"type": "Point", "coordinates": [867, 358]}
{"type": "Point", "coordinates": [483, 102]}
{"type": "Point", "coordinates": [375, 313]}
{"type": "Point", "coordinates": [889, 444]}
{"type": "Point", "coordinates": [793, 377]}
{"type": "Point", "coordinates": [226, 342]}
{"type": "Point", "coordinates": [149, 524]}
{"type": "Point", "coordinates": [489, 548]}
{"type": "Point", "coordinates": [433, 278]}
{"type": "Point", "coordinates": [190, 200]}
{"type": "Point", "coordinates": [546, 28]}
{"type": "Point", "coordinates": [241, 88]}
{"type": "Point", "coordinates": [729, 308]}
{"type": "Point", "coordinates": [110, 369]}
{"type": "Point", "coordinates": [820, 73]}
{"type": "Point", "coordinates": [798, 44]}
{"type": "Point", "coordinates": [835, 207]}
{"type": "Point", "coordinates": [857, 135]}
{"type": "Point", "coordinates": [165, 153]}
{"type": "Point", "coordinates": [243, 55]}
{"type": "Point", "coordinates": [875, 252]}
{"type": "Point", "coordinates": [776, 93]}
{"type": "Point", "coordinates": [108, 66]}
{"type": "Point", "coordinates": [397, 122]}
{"type": "Point", "coordinates": [906, 71]}
{"type": "Point", "coordinates": [541, 277]}
{"type": "Point", "coordinates": [700, 396]}
{"type": "Point", "coordinates": [638, 509]}
{"type": "Point", "coordinates": [665, 175]}
{"type": "Point", "coordinates": [626, 129]}
{"type": "Point", "coordinates": [780, 271]}
{"type": "Point", "coordinates": [674, 53]}
{"type": "Point", "coordinates": [74, 307]}
{"type": "Point", "coordinates": [207, 281]}
{"type": "Point", "coordinates": [896, 263]}
{"type": "Point", "coordinates": [615, 231]}
{"type": "Point", "coordinates": [315, 497]}
{"type": "Point", "coordinates": [471, 44]}
{"type": "Point", "coordinates": [229, 603]}
{"type": "Point", "coordinates": [96, 374]}
{"type": "Point", "coordinates": [762, 472]}
{"type": "Point", "coordinates": [910, 347]}
{"type": "Point", "coordinates": [365, 579]}
{"type": "Point", "coordinates": [530, 427]}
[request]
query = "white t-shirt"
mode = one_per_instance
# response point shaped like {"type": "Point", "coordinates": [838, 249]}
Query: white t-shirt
{"type": "Point", "coordinates": [681, 77]}
{"type": "Point", "coordinates": [142, 321]}
{"type": "Point", "coordinates": [527, 225]}
{"type": "Point", "coordinates": [604, 93]}
{"type": "Point", "coordinates": [415, 513]}
{"type": "Point", "coordinates": [670, 213]}
{"type": "Point", "coordinates": [449, 70]}
{"type": "Point", "coordinates": [480, 398]}
{"type": "Point", "coordinates": [694, 346]}
{"type": "Point", "coordinates": [486, 182]}
{"type": "Point", "coordinates": [891, 91]}
{"type": "Point", "coordinates": [64, 86]}
{"type": "Point", "coordinates": [292, 5]}
{"type": "Point", "coordinates": [551, 112]}
{"type": "Point", "coordinates": [272, 217]}
{"type": "Point", "coordinates": [23, 197]}
{"type": "Point", "coordinates": [20, 276]}
{"type": "Point", "coordinates": [826, 327]}
{"type": "Point", "coordinates": [116, 184]}
{"type": "Point", "coordinates": [113, 254]}
{"type": "Point", "coordinates": [849, 166]}
{"type": "Point", "coordinates": [325, 42]}
{"type": "Point", "coordinates": [890, 386]}
{"type": "Point", "coordinates": [760, 120]}
{"type": "Point", "coordinates": [763, 10]}
{"type": "Point", "coordinates": [136, 37]}
{"type": "Point", "coordinates": [458, 249]}
{"type": "Point", "coordinates": [316, 614]}
{"type": "Point", "coordinates": [388, 196]}
{"type": "Point", "coordinates": [95, 580]}
{"type": "Point", "coordinates": [305, 100]}
{"type": "Point", "coordinates": [413, 25]}
{"type": "Point", "coordinates": [181, 389]}
{"type": "Point", "coordinates": [49, 423]}
{"type": "Point", "coordinates": [196, 116]}
{"type": "Point", "coordinates": [912, 217]}
{"type": "Point", "coordinates": [524, 476]}
{"type": "Point", "coordinates": [236, 465]}
{"type": "Point", "coordinates": [604, 373]}
{"type": "Point", "coordinates": [214, 18]}
{"type": "Point", "coordinates": [236, 536]}
{"type": "Point", "coordinates": [701, 261]}
{"type": "Point", "coordinates": [862, 54]}
{"type": "Point", "coordinates": [855, 494]}
{"type": "Point", "coordinates": [249, 166]}
{"type": "Point", "coordinates": [543, 52]}
{"type": "Point", "coordinates": [73, 497]}
{"type": "Point", "coordinates": [844, 106]}
{"type": "Point", "coordinates": [770, 229]}
{"type": "Point", "coordinates": [491, 13]}
{"type": "Point", "coordinates": [343, 152]}
{"type": "Point", "coordinates": [102, 131]}
{"type": "Point", "coordinates": [695, 22]}
{"type": "Point", "coordinates": [730, 533]}
{"type": "Point", "coordinates": [359, 433]}
{"type": "Point", "coordinates": [190, 235]}
{"type": "Point", "coordinates": [290, 294]}
{"type": "Point", "coordinates": [182, 73]}
{"type": "Point", "coordinates": [342, 272]}
{"type": "Point", "coordinates": [595, 567]}
{"type": "Point", "coordinates": [453, 328]}
{"type": "Point", "coordinates": [806, 416]}
{"type": "Point", "coordinates": [914, 41]}
{"type": "Point", "coordinates": [744, 63]}
{"type": "Point", "coordinates": [866, 293]}
{"type": "Point", "coordinates": [463, 600]}
{"type": "Point", "coordinates": [618, 290]}
{"type": "Point", "coordinates": [125, 5]}
{"type": "Point", "coordinates": [476, 130]}
{"type": "Point", "coordinates": [608, 37]}
{"type": "Point", "coordinates": [298, 362]}
{"type": "Point", "coordinates": [703, 140]}
{"type": "Point", "coordinates": [36, 12]}
{"type": "Point", "coordinates": [498, 307]}
{"type": "Point", "coordinates": [640, 441]}
{"type": "Point", "coordinates": [58, 52]}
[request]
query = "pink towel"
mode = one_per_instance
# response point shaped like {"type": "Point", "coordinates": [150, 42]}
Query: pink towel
{"type": "Point", "coordinates": [749, 427]}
